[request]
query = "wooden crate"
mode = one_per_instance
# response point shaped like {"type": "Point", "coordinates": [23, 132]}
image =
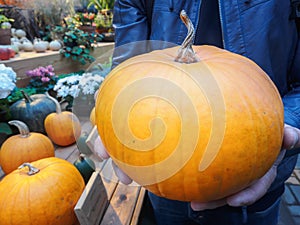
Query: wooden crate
{"type": "Point", "coordinates": [93, 201]}
{"type": "Point", "coordinates": [107, 201]}
{"type": "Point", "coordinates": [25, 61]}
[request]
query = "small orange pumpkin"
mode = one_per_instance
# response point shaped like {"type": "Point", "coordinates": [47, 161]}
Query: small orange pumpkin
{"type": "Point", "coordinates": [190, 124]}
{"type": "Point", "coordinates": [63, 128]}
{"type": "Point", "coordinates": [92, 116]}
{"type": "Point", "coordinates": [24, 147]}
{"type": "Point", "coordinates": [42, 192]}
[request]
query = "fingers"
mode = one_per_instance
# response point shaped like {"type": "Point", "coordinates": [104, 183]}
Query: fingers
{"type": "Point", "coordinates": [124, 178]}
{"type": "Point", "coordinates": [199, 206]}
{"type": "Point", "coordinates": [96, 94]}
{"type": "Point", "coordinates": [258, 189]}
{"type": "Point", "coordinates": [101, 152]}
{"type": "Point", "coordinates": [99, 149]}
{"type": "Point", "coordinates": [254, 192]}
{"type": "Point", "coordinates": [291, 137]}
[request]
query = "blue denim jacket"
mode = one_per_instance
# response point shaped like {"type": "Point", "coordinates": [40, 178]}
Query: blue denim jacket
{"type": "Point", "coordinates": [258, 29]}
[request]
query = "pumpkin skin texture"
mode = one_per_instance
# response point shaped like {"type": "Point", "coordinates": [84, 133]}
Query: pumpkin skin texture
{"type": "Point", "coordinates": [85, 166]}
{"type": "Point", "coordinates": [191, 132]}
{"type": "Point", "coordinates": [92, 116]}
{"type": "Point", "coordinates": [82, 145]}
{"type": "Point", "coordinates": [33, 110]}
{"type": "Point", "coordinates": [63, 128]}
{"type": "Point", "coordinates": [46, 197]}
{"type": "Point", "coordinates": [24, 147]}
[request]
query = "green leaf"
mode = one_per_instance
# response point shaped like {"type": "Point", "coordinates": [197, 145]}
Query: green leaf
{"type": "Point", "coordinates": [4, 128]}
{"type": "Point", "coordinates": [67, 55]}
{"type": "Point", "coordinates": [86, 51]}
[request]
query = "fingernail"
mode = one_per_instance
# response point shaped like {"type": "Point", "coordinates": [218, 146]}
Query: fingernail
{"type": "Point", "coordinates": [198, 206]}
{"type": "Point", "coordinates": [296, 138]}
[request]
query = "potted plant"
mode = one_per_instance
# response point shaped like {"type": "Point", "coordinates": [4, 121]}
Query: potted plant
{"type": "Point", "coordinates": [78, 44]}
{"type": "Point", "coordinates": [5, 29]}
{"type": "Point", "coordinates": [42, 78]}
{"type": "Point", "coordinates": [104, 17]}
{"type": "Point", "coordinates": [85, 21]}
{"type": "Point", "coordinates": [101, 4]}
{"type": "Point", "coordinates": [81, 87]}
{"type": "Point", "coordinates": [103, 21]}
{"type": "Point", "coordinates": [7, 85]}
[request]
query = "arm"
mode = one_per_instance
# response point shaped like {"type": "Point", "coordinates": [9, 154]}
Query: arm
{"type": "Point", "coordinates": [131, 26]}
{"type": "Point", "coordinates": [291, 100]}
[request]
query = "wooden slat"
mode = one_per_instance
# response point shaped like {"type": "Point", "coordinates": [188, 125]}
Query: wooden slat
{"type": "Point", "coordinates": [93, 202]}
{"type": "Point", "coordinates": [65, 152]}
{"type": "Point", "coordinates": [91, 140]}
{"type": "Point", "coordinates": [109, 178]}
{"type": "Point", "coordinates": [121, 207]}
{"type": "Point", "coordinates": [73, 156]}
{"type": "Point", "coordinates": [138, 207]}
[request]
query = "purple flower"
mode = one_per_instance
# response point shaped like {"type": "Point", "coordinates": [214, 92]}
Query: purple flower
{"type": "Point", "coordinates": [45, 79]}
{"type": "Point", "coordinates": [50, 68]}
{"type": "Point", "coordinates": [43, 74]}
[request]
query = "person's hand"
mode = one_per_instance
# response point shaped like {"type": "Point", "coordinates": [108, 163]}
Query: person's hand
{"type": "Point", "coordinates": [101, 152]}
{"type": "Point", "coordinates": [251, 194]}
{"type": "Point", "coordinates": [248, 196]}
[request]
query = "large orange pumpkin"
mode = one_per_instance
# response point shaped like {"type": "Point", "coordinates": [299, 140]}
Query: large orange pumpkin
{"type": "Point", "coordinates": [62, 127]}
{"type": "Point", "coordinates": [43, 192]}
{"type": "Point", "coordinates": [24, 147]}
{"type": "Point", "coordinates": [200, 127]}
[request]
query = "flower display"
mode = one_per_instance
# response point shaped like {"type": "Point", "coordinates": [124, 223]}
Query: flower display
{"type": "Point", "coordinates": [42, 78]}
{"type": "Point", "coordinates": [68, 86]}
{"type": "Point", "coordinates": [7, 85]}
{"type": "Point", "coordinates": [7, 81]}
{"type": "Point", "coordinates": [87, 83]}
{"type": "Point", "coordinates": [84, 18]}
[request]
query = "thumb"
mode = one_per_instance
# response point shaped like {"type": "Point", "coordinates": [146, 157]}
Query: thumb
{"type": "Point", "coordinates": [258, 189]}
{"type": "Point", "coordinates": [123, 177]}
{"type": "Point", "coordinates": [291, 137]}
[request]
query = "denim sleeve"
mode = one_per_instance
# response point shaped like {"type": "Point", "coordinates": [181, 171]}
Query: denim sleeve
{"type": "Point", "coordinates": [291, 100]}
{"type": "Point", "coordinates": [131, 26]}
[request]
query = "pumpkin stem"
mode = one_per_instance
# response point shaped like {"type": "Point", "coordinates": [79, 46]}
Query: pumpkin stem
{"type": "Point", "coordinates": [186, 53]}
{"type": "Point", "coordinates": [81, 156]}
{"type": "Point", "coordinates": [26, 97]}
{"type": "Point", "coordinates": [22, 127]}
{"type": "Point", "coordinates": [32, 169]}
{"type": "Point", "coordinates": [57, 105]}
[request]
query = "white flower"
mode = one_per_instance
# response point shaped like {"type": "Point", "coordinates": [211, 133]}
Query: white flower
{"type": "Point", "coordinates": [85, 78]}
{"type": "Point", "coordinates": [58, 85]}
{"type": "Point", "coordinates": [8, 71]}
{"type": "Point", "coordinates": [7, 80]}
{"type": "Point", "coordinates": [63, 91]}
{"type": "Point", "coordinates": [89, 83]}
{"type": "Point", "coordinates": [74, 91]}
{"type": "Point", "coordinates": [67, 86]}
{"type": "Point", "coordinates": [73, 79]}
{"type": "Point", "coordinates": [87, 89]}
